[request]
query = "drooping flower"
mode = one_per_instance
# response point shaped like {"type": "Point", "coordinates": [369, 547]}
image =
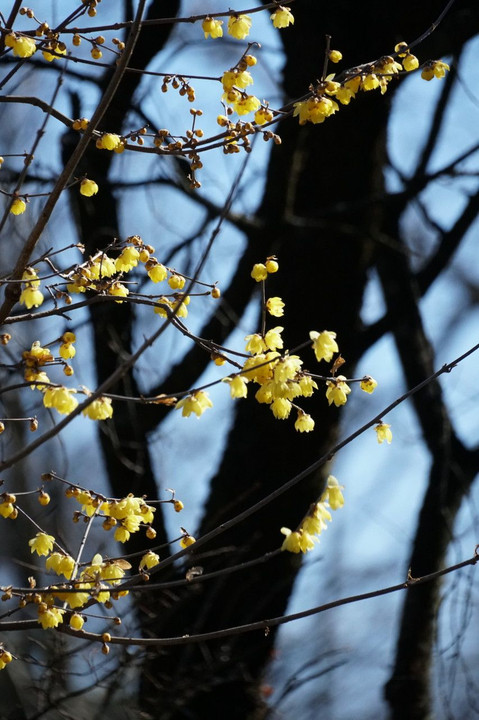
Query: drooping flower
{"type": "Point", "coordinates": [212, 28]}
{"type": "Point", "coordinates": [368, 384]}
{"type": "Point", "coordinates": [324, 344]}
{"type": "Point", "coordinates": [259, 272]}
{"type": "Point", "coordinates": [60, 398]}
{"type": "Point", "coordinates": [195, 403]}
{"type": "Point", "coordinates": [239, 26]}
{"type": "Point", "coordinates": [149, 560]}
{"type": "Point", "coordinates": [275, 306]}
{"type": "Point", "coordinates": [238, 386]}
{"type": "Point", "coordinates": [42, 543]}
{"type": "Point", "coordinates": [282, 17]}
{"type": "Point", "coordinates": [18, 206]}
{"type": "Point", "coordinates": [304, 422]}
{"type": "Point", "coordinates": [384, 433]}
{"type": "Point", "coordinates": [22, 47]}
{"type": "Point", "coordinates": [127, 260]}
{"type": "Point", "coordinates": [88, 188]}
{"type": "Point", "coordinates": [337, 391]}
{"type": "Point", "coordinates": [49, 617]}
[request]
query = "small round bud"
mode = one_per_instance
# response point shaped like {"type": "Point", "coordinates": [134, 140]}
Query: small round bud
{"type": "Point", "coordinates": [43, 498]}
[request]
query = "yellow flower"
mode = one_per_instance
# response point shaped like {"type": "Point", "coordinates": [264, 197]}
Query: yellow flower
{"type": "Point", "coordinates": [435, 68]}
{"type": "Point", "coordinates": [239, 26]}
{"type": "Point", "coordinates": [410, 62]}
{"type": "Point", "coordinates": [287, 368]}
{"type": "Point", "coordinates": [281, 408]}
{"type": "Point", "coordinates": [265, 372]}
{"type": "Point", "coordinates": [127, 260]}
{"type": "Point", "coordinates": [109, 141]}
{"type": "Point", "coordinates": [282, 17]}
{"type": "Point", "coordinates": [121, 534]}
{"type": "Point", "coordinates": [76, 621]}
{"type": "Point", "coordinates": [370, 82]}
{"type": "Point", "coordinates": [274, 306]}
{"type": "Point", "coordinates": [255, 344]}
{"type": "Point", "coordinates": [157, 273]}
{"type": "Point", "coordinates": [238, 386]}
{"type": "Point", "coordinates": [60, 398]}
{"type": "Point", "coordinates": [49, 57]}
{"type": "Point", "coordinates": [18, 206]}
{"type": "Point", "coordinates": [262, 116]}
{"type": "Point", "coordinates": [315, 109]}
{"type": "Point", "coordinates": [212, 28]}
{"type": "Point", "coordinates": [176, 282]}
{"type": "Point", "coordinates": [31, 297]}
{"type": "Point", "coordinates": [324, 344]}
{"type": "Point", "coordinates": [337, 391]}
{"type": "Point", "coordinates": [333, 494]}
{"type": "Point", "coordinates": [246, 104]}
{"type": "Point", "coordinates": [197, 403]}
{"type": "Point", "coordinates": [232, 78]}
{"type": "Point", "coordinates": [384, 433]}
{"type": "Point", "coordinates": [187, 540]}
{"type": "Point", "coordinates": [368, 384]}
{"type": "Point", "coordinates": [60, 564]}
{"type": "Point", "coordinates": [149, 560]}
{"type": "Point", "coordinates": [335, 56]}
{"type": "Point", "coordinates": [49, 617]}
{"type": "Point", "coordinates": [259, 272]}
{"type": "Point", "coordinates": [401, 49]}
{"type": "Point", "coordinates": [440, 68]}
{"type": "Point", "coordinates": [67, 351]}
{"type": "Point", "coordinates": [5, 658]}
{"type": "Point", "coordinates": [304, 422]}
{"type": "Point", "coordinates": [7, 507]}
{"type": "Point", "coordinates": [88, 187]}
{"type": "Point", "coordinates": [273, 339]}
{"type": "Point", "coordinates": [101, 266]}
{"type": "Point", "coordinates": [307, 385]}
{"type": "Point", "coordinates": [291, 541]}
{"type": "Point", "coordinates": [99, 409]}
{"type": "Point", "coordinates": [306, 541]}
{"type": "Point", "coordinates": [42, 543]}
{"type": "Point", "coordinates": [22, 47]}
{"type": "Point", "coordinates": [119, 290]}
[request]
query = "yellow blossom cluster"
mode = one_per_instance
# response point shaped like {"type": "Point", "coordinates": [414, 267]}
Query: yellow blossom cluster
{"type": "Point", "coordinates": [103, 273]}
{"type": "Point", "coordinates": [234, 82]}
{"type": "Point", "coordinates": [127, 515]}
{"type": "Point", "coordinates": [281, 376]}
{"type": "Point", "coordinates": [376, 75]}
{"type": "Point", "coordinates": [315, 521]}
{"type": "Point", "coordinates": [239, 24]}
{"type": "Point", "coordinates": [60, 397]}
